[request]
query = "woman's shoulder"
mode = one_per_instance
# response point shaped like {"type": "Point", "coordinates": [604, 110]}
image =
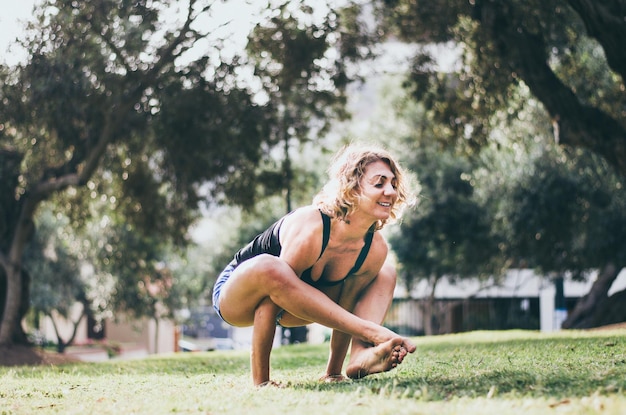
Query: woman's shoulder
{"type": "Point", "coordinates": [303, 221]}
{"type": "Point", "coordinates": [305, 214]}
{"type": "Point", "coordinates": [379, 244]}
{"type": "Point", "coordinates": [377, 252]}
{"type": "Point", "coordinates": [301, 237]}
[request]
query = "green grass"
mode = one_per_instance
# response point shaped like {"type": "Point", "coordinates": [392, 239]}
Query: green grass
{"type": "Point", "coordinates": [495, 373]}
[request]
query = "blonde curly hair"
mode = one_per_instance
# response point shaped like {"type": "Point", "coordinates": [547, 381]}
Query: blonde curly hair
{"type": "Point", "coordinates": [340, 196]}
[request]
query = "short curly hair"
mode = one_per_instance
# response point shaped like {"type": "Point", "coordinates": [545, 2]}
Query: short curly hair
{"type": "Point", "coordinates": [340, 196]}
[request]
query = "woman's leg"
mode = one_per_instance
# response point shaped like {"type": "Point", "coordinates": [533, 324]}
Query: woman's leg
{"type": "Point", "coordinates": [369, 300]}
{"type": "Point", "coordinates": [339, 343]}
{"type": "Point", "coordinates": [373, 304]}
{"type": "Point", "coordinates": [262, 341]}
{"type": "Point", "coordinates": [267, 277]}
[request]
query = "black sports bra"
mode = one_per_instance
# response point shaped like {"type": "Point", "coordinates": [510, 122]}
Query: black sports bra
{"type": "Point", "coordinates": [306, 274]}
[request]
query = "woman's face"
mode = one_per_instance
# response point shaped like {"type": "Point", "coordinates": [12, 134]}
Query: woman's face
{"type": "Point", "coordinates": [378, 190]}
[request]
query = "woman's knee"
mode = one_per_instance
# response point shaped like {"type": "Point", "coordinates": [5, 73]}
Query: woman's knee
{"type": "Point", "coordinates": [271, 268]}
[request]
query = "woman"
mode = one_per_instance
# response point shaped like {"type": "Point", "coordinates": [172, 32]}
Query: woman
{"type": "Point", "coordinates": [325, 263]}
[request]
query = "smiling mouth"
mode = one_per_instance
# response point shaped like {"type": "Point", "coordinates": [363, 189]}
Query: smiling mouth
{"type": "Point", "coordinates": [384, 204]}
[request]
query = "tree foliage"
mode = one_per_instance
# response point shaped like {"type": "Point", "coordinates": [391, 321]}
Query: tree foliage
{"type": "Point", "coordinates": [301, 56]}
{"type": "Point", "coordinates": [558, 211]}
{"type": "Point", "coordinates": [518, 202]}
{"type": "Point", "coordinates": [568, 53]}
{"type": "Point", "coordinates": [102, 108]}
{"type": "Point", "coordinates": [450, 233]}
{"type": "Point", "coordinates": [562, 215]}
{"type": "Point", "coordinates": [57, 286]}
{"type": "Point", "coordinates": [118, 109]}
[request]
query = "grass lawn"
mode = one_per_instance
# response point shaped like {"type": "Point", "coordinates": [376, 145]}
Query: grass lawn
{"type": "Point", "coordinates": [513, 372]}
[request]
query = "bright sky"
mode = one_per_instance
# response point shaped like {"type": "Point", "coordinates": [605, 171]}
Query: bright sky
{"type": "Point", "coordinates": [12, 20]}
{"type": "Point", "coordinates": [237, 13]}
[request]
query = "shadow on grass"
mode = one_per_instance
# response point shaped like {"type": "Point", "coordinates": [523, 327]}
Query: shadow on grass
{"type": "Point", "coordinates": [439, 370]}
{"type": "Point", "coordinates": [542, 367]}
{"type": "Point", "coordinates": [440, 388]}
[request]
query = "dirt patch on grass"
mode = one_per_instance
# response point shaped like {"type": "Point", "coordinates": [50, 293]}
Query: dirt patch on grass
{"type": "Point", "coordinates": [20, 355]}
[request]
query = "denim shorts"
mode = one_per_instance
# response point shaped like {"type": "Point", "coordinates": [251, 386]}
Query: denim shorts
{"type": "Point", "coordinates": [217, 288]}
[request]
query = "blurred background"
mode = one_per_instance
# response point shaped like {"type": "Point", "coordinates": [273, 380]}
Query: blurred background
{"type": "Point", "coordinates": [142, 143]}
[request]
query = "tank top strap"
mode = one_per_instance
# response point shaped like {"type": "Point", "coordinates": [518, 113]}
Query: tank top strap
{"type": "Point", "coordinates": [364, 251]}
{"type": "Point", "coordinates": [326, 232]}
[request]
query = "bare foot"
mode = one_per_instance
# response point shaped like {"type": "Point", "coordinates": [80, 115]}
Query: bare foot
{"type": "Point", "coordinates": [402, 354]}
{"type": "Point", "coordinates": [376, 359]}
{"type": "Point", "coordinates": [408, 345]}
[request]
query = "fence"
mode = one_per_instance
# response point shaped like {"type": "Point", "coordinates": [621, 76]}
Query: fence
{"type": "Point", "coordinates": [407, 316]}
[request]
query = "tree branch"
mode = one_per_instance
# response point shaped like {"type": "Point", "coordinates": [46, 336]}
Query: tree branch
{"type": "Point", "coordinates": [582, 316]}
{"type": "Point", "coordinates": [605, 21]}
{"type": "Point", "coordinates": [166, 53]}
{"type": "Point", "coordinates": [578, 125]}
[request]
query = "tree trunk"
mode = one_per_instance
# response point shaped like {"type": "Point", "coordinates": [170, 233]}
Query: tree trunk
{"type": "Point", "coordinates": [156, 335]}
{"type": "Point", "coordinates": [10, 314]}
{"type": "Point", "coordinates": [62, 344]}
{"type": "Point", "coordinates": [428, 309]}
{"type": "Point", "coordinates": [582, 315]}
{"type": "Point", "coordinates": [19, 335]}
{"type": "Point", "coordinates": [611, 311]}
{"type": "Point", "coordinates": [83, 313]}
{"type": "Point", "coordinates": [15, 306]}
{"type": "Point", "coordinates": [20, 302]}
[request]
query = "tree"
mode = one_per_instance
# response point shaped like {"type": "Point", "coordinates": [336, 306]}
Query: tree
{"type": "Point", "coordinates": [142, 279]}
{"type": "Point", "coordinates": [56, 284]}
{"type": "Point", "coordinates": [558, 210]}
{"type": "Point", "coordinates": [565, 53]}
{"type": "Point", "coordinates": [450, 235]}
{"type": "Point", "coordinates": [606, 246]}
{"type": "Point", "coordinates": [102, 100]}
{"type": "Point", "coordinates": [553, 47]}
{"type": "Point", "coordinates": [565, 215]}
{"type": "Point", "coordinates": [545, 213]}
{"type": "Point", "coordinates": [106, 267]}
{"type": "Point", "coordinates": [301, 56]}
